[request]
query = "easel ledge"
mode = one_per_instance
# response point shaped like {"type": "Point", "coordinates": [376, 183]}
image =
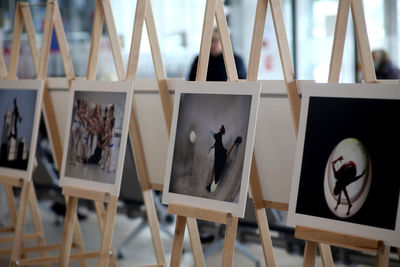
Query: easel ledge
{"type": "Point", "coordinates": [340, 240]}
{"type": "Point", "coordinates": [199, 213]}
{"type": "Point", "coordinates": [12, 181]}
{"type": "Point", "coordinates": [86, 194]}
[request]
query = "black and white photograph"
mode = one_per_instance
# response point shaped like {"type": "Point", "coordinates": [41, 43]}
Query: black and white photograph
{"type": "Point", "coordinates": [18, 127]}
{"type": "Point", "coordinates": [347, 156]}
{"type": "Point", "coordinates": [95, 134]}
{"type": "Point", "coordinates": [213, 136]}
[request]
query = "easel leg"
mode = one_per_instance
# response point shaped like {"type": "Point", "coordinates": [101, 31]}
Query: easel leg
{"type": "Point", "coordinates": [11, 204]}
{"type": "Point", "coordinates": [265, 237]}
{"type": "Point", "coordinates": [19, 227]}
{"type": "Point", "coordinates": [326, 255]}
{"type": "Point", "coordinates": [382, 257]}
{"type": "Point", "coordinates": [78, 240]}
{"type": "Point", "coordinates": [101, 216]}
{"type": "Point", "coordinates": [108, 230]}
{"type": "Point", "coordinates": [310, 252]}
{"type": "Point", "coordinates": [229, 243]}
{"type": "Point", "coordinates": [37, 223]}
{"type": "Point", "coordinates": [177, 245]}
{"type": "Point", "coordinates": [195, 242]}
{"type": "Point", "coordinates": [69, 225]}
{"type": "Point", "coordinates": [154, 227]}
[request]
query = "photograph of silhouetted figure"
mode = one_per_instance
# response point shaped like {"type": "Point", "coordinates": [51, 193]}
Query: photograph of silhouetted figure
{"type": "Point", "coordinates": [17, 110]}
{"type": "Point", "coordinates": [344, 176]}
{"type": "Point", "coordinates": [351, 150]}
{"type": "Point", "coordinates": [220, 156]}
{"type": "Point", "coordinates": [209, 163]}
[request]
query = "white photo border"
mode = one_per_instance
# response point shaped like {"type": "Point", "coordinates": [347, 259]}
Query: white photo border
{"type": "Point", "coordinates": [27, 84]}
{"type": "Point", "coordinates": [99, 86]}
{"type": "Point", "coordinates": [218, 88]}
{"type": "Point", "coordinates": [367, 91]}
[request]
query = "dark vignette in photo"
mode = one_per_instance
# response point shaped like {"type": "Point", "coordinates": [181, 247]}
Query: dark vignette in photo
{"type": "Point", "coordinates": [375, 122]}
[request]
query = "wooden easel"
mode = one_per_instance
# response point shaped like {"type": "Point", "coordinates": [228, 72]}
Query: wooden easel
{"type": "Point", "coordinates": [53, 18]}
{"type": "Point", "coordinates": [294, 101]}
{"type": "Point", "coordinates": [28, 195]}
{"type": "Point", "coordinates": [186, 214]}
{"type": "Point", "coordinates": [315, 236]}
{"type": "Point", "coordinates": [143, 14]}
{"type": "Point", "coordinates": [106, 219]}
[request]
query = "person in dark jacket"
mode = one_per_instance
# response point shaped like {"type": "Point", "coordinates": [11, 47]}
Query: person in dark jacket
{"type": "Point", "coordinates": [216, 66]}
{"type": "Point", "coordinates": [384, 68]}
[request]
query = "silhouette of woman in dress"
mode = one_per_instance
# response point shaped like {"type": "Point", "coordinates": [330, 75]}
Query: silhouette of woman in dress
{"type": "Point", "coordinates": [344, 176]}
{"type": "Point", "coordinates": [220, 155]}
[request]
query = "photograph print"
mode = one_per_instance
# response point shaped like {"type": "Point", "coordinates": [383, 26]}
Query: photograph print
{"type": "Point", "coordinates": [212, 141]}
{"type": "Point", "coordinates": [19, 109]}
{"type": "Point", "coordinates": [346, 162]}
{"type": "Point", "coordinates": [96, 135]}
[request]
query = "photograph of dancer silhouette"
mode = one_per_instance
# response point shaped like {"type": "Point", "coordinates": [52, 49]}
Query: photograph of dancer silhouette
{"type": "Point", "coordinates": [346, 160]}
{"type": "Point", "coordinates": [345, 176]}
{"type": "Point", "coordinates": [95, 134]}
{"type": "Point", "coordinates": [220, 156]}
{"type": "Point", "coordinates": [17, 111]}
{"type": "Point", "coordinates": [208, 156]}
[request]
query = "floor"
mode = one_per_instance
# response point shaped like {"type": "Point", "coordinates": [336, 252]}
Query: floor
{"type": "Point", "coordinates": [140, 251]}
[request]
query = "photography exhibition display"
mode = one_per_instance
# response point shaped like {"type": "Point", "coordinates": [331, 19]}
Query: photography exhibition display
{"type": "Point", "coordinates": [95, 140]}
{"type": "Point", "coordinates": [345, 176]}
{"type": "Point", "coordinates": [211, 145]}
{"type": "Point", "coordinates": [20, 105]}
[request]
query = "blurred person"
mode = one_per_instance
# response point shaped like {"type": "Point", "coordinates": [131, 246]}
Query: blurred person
{"type": "Point", "coordinates": [216, 65]}
{"type": "Point", "coordinates": [384, 68]}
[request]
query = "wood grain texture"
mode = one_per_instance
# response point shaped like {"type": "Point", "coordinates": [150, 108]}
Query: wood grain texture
{"type": "Point", "coordinates": [310, 253]}
{"type": "Point", "coordinates": [198, 213]}
{"type": "Point", "coordinates": [46, 40]}
{"type": "Point", "coordinates": [265, 237]}
{"type": "Point", "coordinates": [63, 44]}
{"type": "Point", "coordinates": [159, 67]}
{"type": "Point", "coordinates": [336, 239]}
{"type": "Point", "coordinates": [195, 242]}
{"type": "Point", "coordinates": [30, 32]}
{"type": "Point", "coordinates": [367, 63]}
{"type": "Point", "coordinates": [97, 28]}
{"type": "Point", "coordinates": [226, 44]}
{"type": "Point", "coordinates": [69, 225]}
{"type": "Point", "coordinates": [107, 234]}
{"type": "Point", "coordinates": [86, 194]}
{"type": "Point", "coordinates": [18, 241]}
{"type": "Point", "coordinates": [154, 227]}
{"type": "Point", "coordinates": [256, 40]}
{"type": "Point", "coordinates": [229, 242]}
{"type": "Point", "coordinates": [114, 40]}
{"type": "Point", "coordinates": [339, 38]}
{"type": "Point", "coordinates": [15, 43]}
{"type": "Point", "coordinates": [37, 223]}
{"type": "Point", "coordinates": [133, 60]}
{"type": "Point", "coordinates": [326, 255]}
{"type": "Point", "coordinates": [206, 35]}
{"type": "Point", "coordinates": [286, 60]}
{"type": "Point", "coordinates": [177, 243]}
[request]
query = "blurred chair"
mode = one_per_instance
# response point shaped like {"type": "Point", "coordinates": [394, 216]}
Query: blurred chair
{"type": "Point", "coordinates": [133, 206]}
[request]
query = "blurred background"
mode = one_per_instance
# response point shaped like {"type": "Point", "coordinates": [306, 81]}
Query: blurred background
{"type": "Point", "coordinates": [310, 26]}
